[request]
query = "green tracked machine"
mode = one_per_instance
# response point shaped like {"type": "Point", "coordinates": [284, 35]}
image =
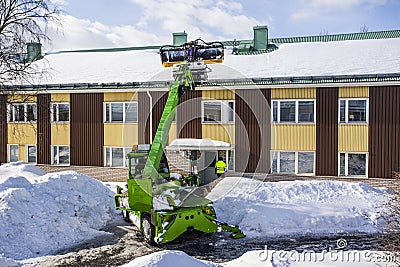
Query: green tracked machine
{"type": "Point", "coordinates": [161, 206]}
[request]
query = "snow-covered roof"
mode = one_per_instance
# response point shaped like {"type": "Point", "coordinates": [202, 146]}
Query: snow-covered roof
{"type": "Point", "coordinates": [290, 60]}
{"type": "Point", "coordinates": [198, 144]}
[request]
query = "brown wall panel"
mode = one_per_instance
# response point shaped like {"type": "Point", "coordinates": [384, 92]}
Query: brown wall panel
{"type": "Point", "coordinates": [159, 98]}
{"type": "Point", "coordinates": [384, 131]}
{"type": "Point", "coordinates": [43, 129]}
{"type": "Point", "coordinates": [3, 128]}
{"type": "Point", "coordinates": [327, 132]}
{"type": "Point", "coordinates": [87, 133]}
{"type": "Point", "coordinates": [189, 115]}
{"type": "Point", "coordinates": [252, 130]}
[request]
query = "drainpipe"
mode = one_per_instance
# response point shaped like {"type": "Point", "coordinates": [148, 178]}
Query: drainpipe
{"type": "Point", "coordinates": [151, 116]}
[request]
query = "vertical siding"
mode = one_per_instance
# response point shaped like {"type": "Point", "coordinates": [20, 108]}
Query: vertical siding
{"type": "Point", "coordinates": [43, 148]}
{"type": "Point", "coordinates": [3, 128]}
{"type": "Point", "coordinates": [353, 137]}
{"type": "Point", "coordinates": [218, 94]}
{"type": "Point", "coordinates": [189, 115]}
{"type": "Point", "coordinates": [220, 132]}
{"type": "Point", "coordinates": [384, 131]}
{"type": "Point", "coordinates": [159, 101]}
{"type": "Point", "coordinates": [293, 93]}
{"type": "Point", "coordinates": [294, 137]}
{"type": "Point", "coordinates": [252, 130]}
{"type": "Point", "coordinates": [353, 92]}
{"type": "Point", "coordinates": [87, 133]}
{"type": "Point", "coordinates": [143, 118]}
{"type": "Point", "coordinates": [327, 132]}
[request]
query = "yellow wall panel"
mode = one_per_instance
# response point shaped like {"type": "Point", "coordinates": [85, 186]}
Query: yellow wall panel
{"type": "Point", "coordinates": [120, 96]}
{"type": "Point", "coordinates": [60, 134]}
{"type": "Point", "coordinates": [218, 94]}
{"type": "Point", "coordinates": [293, 137]}
{"type": "Point", "coordinates": [224, 132]}
{"type": "Point", "coordinates": [60, 97]}
{"type": "Point", "coordinates": [354, 92]}
{"type": "Point", "coordinates": [293, 93]}
{"type": "Point", "coordinates": [353, 138]}
{"type": "Point", "coordinates": [22, 133]}
{"type": "Point", "coordinates": [121, 135]}
{"type": "Point", "coordinates": [172, 133]}
{"type": "Point", "coordinates": [24, 98]}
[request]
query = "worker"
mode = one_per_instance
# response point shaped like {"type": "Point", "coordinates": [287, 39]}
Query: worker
{"type": "Point", "coordinates": [220, 167]}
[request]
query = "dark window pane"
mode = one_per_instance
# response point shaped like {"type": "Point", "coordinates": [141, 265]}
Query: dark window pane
{"type": "Point", "coordinates": [19, 112]}
{"type": "Point", "coordinates": [274, 162]}
{"type": "Point", "coordinates": [357, 164]}
{"type": "Point", "coordinates": [31, 154]}
{"type": "Point", "coordinates": [275, 111]}
{"type": "Point", "coordinates": [231, 111]}
{"type": "Point", "coordinates": [117, 157]}
{"type": "Point", "coordinates": [287, 162]}
{"type": "Point", "coordinates": [288, 111]}
{"type": "Point", "coordinates": [131, 112]}
{"type": "Point", "coordinates": [342, 110]}
{"type": "Point", "coordinates": [63, 155]}
{"type": "Point", "coordinates": [31, 112]}
{"type": "Point", "coordinates": [306, 111]}
{"type": "Point", "coordinates": [117, 112]}
{"type": "Point", "coordinates": [306, 162]}
{"type": "Point", "coordinates": [63, 112]}
{"type": "Point", "coordinates": [212, 111]}
{"type": "Point", "coordinates": [342, 164]}
{"type": "Point", "coordinates": [14, 153]}
{"type": "Point", "coordinates": [358, 110]}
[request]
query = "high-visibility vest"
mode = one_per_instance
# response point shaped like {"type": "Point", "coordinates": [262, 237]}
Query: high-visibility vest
{"type": "Point", "coordinates": [220, 166]}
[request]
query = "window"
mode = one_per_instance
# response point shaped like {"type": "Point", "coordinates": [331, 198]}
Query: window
{"type": "Point", "coordinates": [60, 155]}
{"type": "Point", "coordinates": [13, 153]}
{"type": "Point", "coordinates": [121, 112]}
{"type": "Point", "coordinates": [22, 112]}
{"type": "Point", "coordinates": [293, 111]}
{"type": "Point", "coordinates": [218, 111]}
{"type": "Point", "coordinates": [115, 156]}
{"type": "Point", "coordinates": [291, 162]}
{"type": "Point", "coordinates": [353, 110]}
{"type": "Point", "coordinates": [31, 153]}
{"type": "Point", "coordinates": [353, 164]}
{"type": "Point", "coordinates": [231, 160]}
{"type": "Point", "coordinates": [60, 112]}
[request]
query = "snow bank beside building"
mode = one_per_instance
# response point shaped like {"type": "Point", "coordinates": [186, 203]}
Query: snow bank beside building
{"type": "Point", "coordinates": [297, 208]}
{"type": "Point", "coordinates": [42, 213]}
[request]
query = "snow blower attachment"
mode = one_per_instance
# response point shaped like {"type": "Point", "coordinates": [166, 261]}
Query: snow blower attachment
{"type": "Point", "coordinates": [161, 206]}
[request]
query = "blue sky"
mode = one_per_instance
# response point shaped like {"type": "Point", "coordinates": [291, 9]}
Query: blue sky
{"type": "Point", "coordinates": [119, 23]}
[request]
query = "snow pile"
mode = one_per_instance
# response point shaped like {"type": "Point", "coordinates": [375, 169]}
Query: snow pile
{"type": "Point", "coordinates": [168, 258]}
{"type": "Point", "coordinates": [43, 213]}
{"type": "Point", "coordinates": [297, 208]}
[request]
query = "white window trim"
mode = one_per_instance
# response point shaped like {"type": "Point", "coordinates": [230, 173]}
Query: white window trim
{"type": "Point", "coordinates": [124, 104]}
{"type": "Point", "coordinates": [27, 153]}
{"type": "Point", "coordinates": [224, 111]}
{"type": "Point", "coordinates": [296, 162]}
{"type": "Point", "coordinates": [278, 101]}
{"type": "Point", "coordinates": [58, 158]}
{"type": "Point", "coordinates": [346, 108]}
{"type": "Point", "coordinates": [126, 150]}
{"type": "Point", "coordinates": [9, 151]}
{"type": "Point", "coordinates": [58, 112]}
{"type": "Point", "coordinates": [346, 164]}
{"type": "Point", "coordinates": [11, 106]}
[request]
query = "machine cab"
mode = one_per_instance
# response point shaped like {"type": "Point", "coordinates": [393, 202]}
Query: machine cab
{"type": "Point", "coordinates": [137, 159]}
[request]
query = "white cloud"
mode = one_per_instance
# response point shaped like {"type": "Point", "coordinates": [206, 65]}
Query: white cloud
{"type": "Point", "coordinates": [318, 8]}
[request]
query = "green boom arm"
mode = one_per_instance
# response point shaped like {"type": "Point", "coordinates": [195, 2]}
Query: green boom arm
{"type": "Point", "coordinates": [183, 81]}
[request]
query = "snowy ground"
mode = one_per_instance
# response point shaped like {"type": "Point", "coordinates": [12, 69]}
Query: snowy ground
{"type": "Point", "coordinates": [43, 214]}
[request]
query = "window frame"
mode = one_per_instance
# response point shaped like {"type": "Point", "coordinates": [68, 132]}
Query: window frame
{"type": "Point", "coordinates": [225, 110]}
{"type": "Point", "coordinates": [126, 150]}
{"type": "Point", "coordinates": [346, 164]}
{"type": "Point", "coordinates": [57, 115]}
{"type": "Point", "coordinates": [27, 153]}
{"type": "Point", "coordinates": [346, 110]}
{"type": "Point", "coordinates": [11, 112]}
{"type": "Point", "coordinates": [296, 162]}
{"type": "Point", "coordinates": [57, 163]}
{"type": "Point", "coordinates": [296, 121]}
{"type": "Point", "coordinates": [9, 152]}
{"type": "Point", "coordinates": [125, 104]}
